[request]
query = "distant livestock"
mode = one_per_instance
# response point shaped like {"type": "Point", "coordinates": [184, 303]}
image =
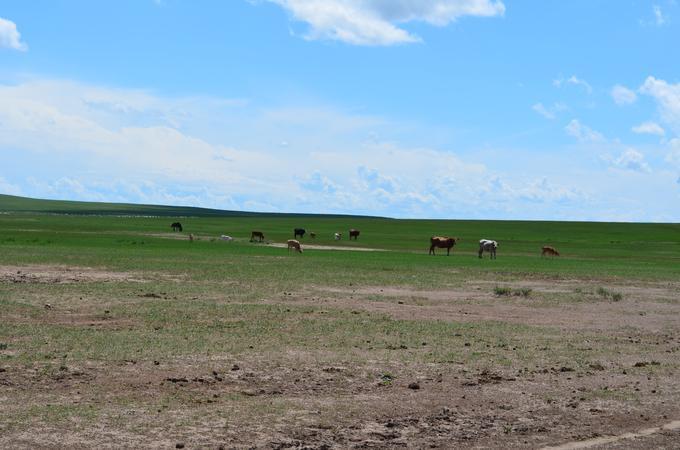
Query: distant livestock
{"type": "Point", "coordinates": [299, 232]}
{"type": "Point", "coordinates": [442, 242]}
{"type": "Point", "coordinates": [224, 237]}
{"type": "Point", "coordinates": [292, 243]}
{"type": "Point", "coordinates": [312, 235]}
{"type": "Point", "coordinates": [551, 251]}
{"type": "Point", "coordinates": [191, 237]}
{"type": "Point", "coordinates": [257, 234]}
{"type": "Point", "coordinates": [353, 234]}
{"type": "Point", "coordinates": [337, 236]}
{"type": "Point", "coordinates": [487, 245]}
{"type": "Point", "coordinates": [176, 226]}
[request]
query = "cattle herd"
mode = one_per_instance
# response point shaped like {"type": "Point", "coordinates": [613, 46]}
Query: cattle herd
{"type": "Point", "coordinates": [485, 245]}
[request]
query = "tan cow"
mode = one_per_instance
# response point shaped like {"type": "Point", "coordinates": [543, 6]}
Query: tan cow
{"type": "Point", "coordinates": [442, 242]}
{"type": "Point", "coordinates": [551, 251]}
{"type": "Point", "coordinates": [292, 243]}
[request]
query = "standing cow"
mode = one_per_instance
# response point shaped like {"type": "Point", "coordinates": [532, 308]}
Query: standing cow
{"type": "Point", "coordinates": [337, 236]}
{"type": "Point", "coordinates": [299, 232]}
{"type": "Point", "coordinates": [487, 245]}
{"type": "Point", "coordinates": [176, 226]}
{"type": "Point", "coordinates": [257, 234]}
{"type": "Point", "coordinates": [442, 242]}
{"type": "Point", "coordinates": [353, 234]}
{"type": "Point", "coordinates": [292, 243]}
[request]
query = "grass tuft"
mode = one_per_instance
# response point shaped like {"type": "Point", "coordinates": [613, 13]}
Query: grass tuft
{"type": "Point", "coordinates": [607, 294]}
{"type": "Point", "coordinates": [506, 291]}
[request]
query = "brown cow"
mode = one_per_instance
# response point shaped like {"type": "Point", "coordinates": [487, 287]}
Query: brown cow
{"type": "Point", "coordinates": [354, 233]}
{"type": "Point", "coordinates": [549, 251]}
{"type": "Point", "coordinates": [257, 234]}
{"type": "Point", "coordinates": [292, 243]}
{"type": "Point", "coordinates": [442, 242]}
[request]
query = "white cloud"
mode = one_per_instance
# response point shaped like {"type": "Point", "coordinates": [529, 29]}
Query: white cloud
{"type": "Point", "coordinates": [659, 18]}
{"type": "Point", "coordinates": [575, 81]}
{"type": "Point", "coordinates": [73, 141]}
{"type": "Point", "coordinates": [374, 22]}
{"type": "Point", "coordinates": [622, 95]}
{"type": "Point", "coordinates": [649, 128]}
{"type": "Point", "coordinates": [630, 159]}
{"type": "Point", "coordinates": [667, 97]}
{"type": "Point", "coordinates": [549, 112]}
{"type": "Point", "coordinates": [673, 156]}
{"type": "Point", "coordinates": [10, 37]}
{"type": "Point", "coordinates": [8, 188]}
{"type": "Point", "coordinates": [583, 133]}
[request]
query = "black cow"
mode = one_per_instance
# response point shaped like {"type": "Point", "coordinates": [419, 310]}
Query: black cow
{"type": "Point", "coordinates": [299, 232]}
{"type": "Point", "coordinates": [176, 226]}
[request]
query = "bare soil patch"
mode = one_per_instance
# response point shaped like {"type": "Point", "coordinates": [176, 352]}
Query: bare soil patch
{"type": "Point", "coordinates": [57, 274]}
{"type": "Point", "coordinates": [646, 308]}
{"type": "Point", "coordinates": [330, 247]}
{"type": "Point", "coordinates": [362, 397]}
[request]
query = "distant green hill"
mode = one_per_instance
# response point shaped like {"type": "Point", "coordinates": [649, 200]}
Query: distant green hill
{"type": "Point", "coordinates": [11, 203]}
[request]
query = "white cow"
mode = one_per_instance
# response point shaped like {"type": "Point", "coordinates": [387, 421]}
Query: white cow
{"type": "Point", "coordinates": [337, 236]}
{"type": "Point", "coordinates": [224, 237]}
{"type": "Point", "coordinates": [489, 246]}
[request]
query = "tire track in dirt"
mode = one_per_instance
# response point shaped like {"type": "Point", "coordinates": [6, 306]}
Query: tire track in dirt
{"type": "Point", "coordinates": [675, 425]}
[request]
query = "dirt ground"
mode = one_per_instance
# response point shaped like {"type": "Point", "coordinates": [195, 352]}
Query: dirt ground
{"type": "Point", "coordinates": [301, 399]}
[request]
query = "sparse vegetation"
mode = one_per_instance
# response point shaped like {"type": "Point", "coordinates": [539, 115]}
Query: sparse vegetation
{"type": "Point", "coordinates": [606, 293]}
{"type": "Point", "coordinates": [506, 291]}
{"type": "Point", "coordinates": [119, 323]}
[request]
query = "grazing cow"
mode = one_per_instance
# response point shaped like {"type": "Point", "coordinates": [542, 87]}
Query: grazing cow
{"type": "Point", "coordinates": [299, 232]}
{"type": "Point", "coordinates": [257, 234]}
{"type": "Point", "coordinates": [353, 234]}
{"type": "Point", "coordinates": [292, 243]}
{"type": "Point", "coordinates": [312, 235]}
{"type": "Point", "coordinates": [549, 251]}
{"type": "Point", "coordinates": [337, 236]}
{"type": "Point", "coordinates": [191, 237]}
{"type": "Point", "coordinates": [224, 237]}
{"type": "Point", "coordinates": [488, 246]}
{"type": "Point", "coordinates": [442, 242]}
{"type": "Point", "coordinates": [176, 226]}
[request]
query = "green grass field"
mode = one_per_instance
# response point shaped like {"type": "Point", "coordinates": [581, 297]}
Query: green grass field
{"type": "Point", "coordinates": [598, 249]}
{"type": "Point", "coordinates": [131, 304]}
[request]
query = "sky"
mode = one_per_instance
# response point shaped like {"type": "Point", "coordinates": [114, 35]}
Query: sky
{"type": "Point", "coordinates": [451, 109]}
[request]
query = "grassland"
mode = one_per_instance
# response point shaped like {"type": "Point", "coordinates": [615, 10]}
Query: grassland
{"type": "Point", "coordinates": [114, 331]}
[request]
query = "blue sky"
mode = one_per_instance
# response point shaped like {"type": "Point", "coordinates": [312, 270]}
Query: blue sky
{"type": "Point", "coordinates": [443, 108]}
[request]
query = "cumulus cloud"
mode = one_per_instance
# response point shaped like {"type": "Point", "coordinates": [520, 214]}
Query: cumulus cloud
{"type": "Point", "coordinates": [549, 112]}
{"type": "Point", "coordinates": [630, 159]}
{"type": "Point", "coordinates": [375, 22]}
{"type": "Point", "coordinates": [583, 133]}
{"type": "Point", "coordinates": [667, 97]}
{"type": "Point", "coordinates": [659, 18]}
{"type": "Point", "coordinates": [574, 81]}
{"type": "Point", "coordinates": [622, 95]}
{"type": "Point", "coordinates": [673, 156]}
{"type": "Point", "coordinates": [74, 141]}
{"type": "Point", "coordinates": [9, 188]}
{"type": "Point", "coordinates": [10, 37]}
{"type": "Point", "coordinates": [649, 128]}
